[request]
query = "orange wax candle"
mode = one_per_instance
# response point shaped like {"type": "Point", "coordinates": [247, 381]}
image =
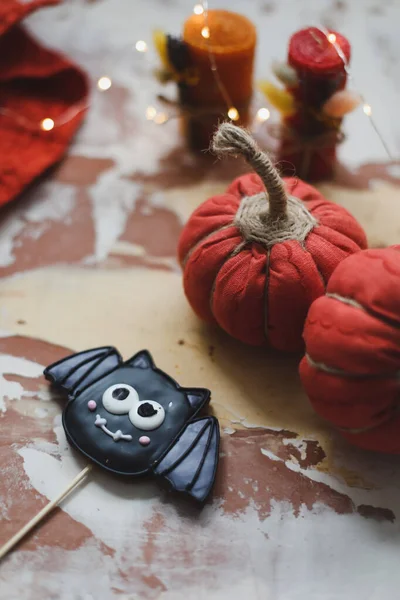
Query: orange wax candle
{"type": "Point", "coordinates": [231, 38]}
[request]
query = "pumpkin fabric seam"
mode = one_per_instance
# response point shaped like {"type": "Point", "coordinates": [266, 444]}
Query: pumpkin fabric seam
{"type": "Point", "coordinates": [201, 241]}
{"type": "Point", "coordinates": [356, 430]}
{"type": "Point", "coordinates": [323, 280]}
{"type": "Point", "coordinates": [370, 313]}
{"type": "Point", "coordinates": [320, 366]}
{"type": "Point", "coordinates": [232, 254]}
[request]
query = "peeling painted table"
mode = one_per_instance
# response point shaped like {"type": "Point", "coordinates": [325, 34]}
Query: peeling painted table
{"type": "Point", "coordinates": [87, 257]}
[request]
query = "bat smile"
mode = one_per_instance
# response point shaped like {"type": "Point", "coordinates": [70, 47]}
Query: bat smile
{"type": "Point", "coordinates": [117, 435]}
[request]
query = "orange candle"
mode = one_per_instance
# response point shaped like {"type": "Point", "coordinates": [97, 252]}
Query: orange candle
{"type": "Point", "coordinates": [227, 41]}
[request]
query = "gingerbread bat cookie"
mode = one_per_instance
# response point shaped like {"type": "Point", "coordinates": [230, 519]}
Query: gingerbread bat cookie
{"type": "Point", "coordinates": [133, 419]}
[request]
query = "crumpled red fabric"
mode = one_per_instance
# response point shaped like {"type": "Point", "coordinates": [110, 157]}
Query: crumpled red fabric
{"type": "Point", "coordinates": [35, 83]}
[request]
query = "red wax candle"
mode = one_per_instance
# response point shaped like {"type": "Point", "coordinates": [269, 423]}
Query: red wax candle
{"type": "Point", "coordinates": [310, 141]}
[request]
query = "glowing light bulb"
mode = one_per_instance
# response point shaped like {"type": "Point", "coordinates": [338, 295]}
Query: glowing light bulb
{"type": "Point", "coordinates": [367, 109]}
{"type": "Point", "coordinates": [150, 113]}
{"type": "Point", "coordinates": [198, 9]}
{"type": "Point", "coordinates": [331, 38]}
{"type": "Point", "coordinates": [205, 32]}
{"type": "Point", "coordinates": [141, 46]}
{"type": "Point", "coordinates": [263, 114]}
{"type": "Point", "coordinates": [47, 124]}
{"type": "Point", "coordinates": [233, 114]}
{"type": "Point", "coordinates": [104, 83]}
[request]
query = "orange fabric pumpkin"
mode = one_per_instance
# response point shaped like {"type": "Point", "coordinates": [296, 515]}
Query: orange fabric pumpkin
{"type": "Point", "coordinates": [352, 336]}
{"type": "Point", "coordinates": [255, 260]}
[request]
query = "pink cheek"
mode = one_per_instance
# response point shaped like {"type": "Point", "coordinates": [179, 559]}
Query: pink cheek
{"type": "Point", "coordinates": [144, 440]}
{"type": "Point", "coordinates": [92, 405]}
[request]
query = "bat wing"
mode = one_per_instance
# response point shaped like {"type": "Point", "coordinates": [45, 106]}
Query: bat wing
{"type": "Point", "coordinates": [190, 464]}
{"type": "Point", "coordinates": [78, 371]}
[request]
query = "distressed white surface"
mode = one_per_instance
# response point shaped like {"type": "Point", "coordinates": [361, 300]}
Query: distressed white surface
{"type": "Point", "coordinates": [318, 555]}
{"type": "Point", "coordinates": [113, 200]}
{"type": "Point", "coordinates": [283, 557]}
{"type": "Point", "coordinates": [17, 581]}
{"type": "Point", "coordinates": [17, 366]}
{"type": "Point", "coordinates": [52, 201]}
{"type": "Point", "coordinates": [9, 229]}
{"type": "Point", "coordinates": [312, 555]}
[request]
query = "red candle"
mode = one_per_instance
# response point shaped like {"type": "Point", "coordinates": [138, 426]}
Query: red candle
{"type": "Point", "coordinates": [310, 137]}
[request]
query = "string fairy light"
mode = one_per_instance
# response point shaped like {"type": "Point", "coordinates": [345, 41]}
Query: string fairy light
{"type": "Point", "coordinates": [47, 124]}
{"type": "Point", "coordinates": [104, 84]}
{"type": "Point", "coordinates": [150, 113]}
{"type": "Point", "coordinates": [232, 112]}
{"type": "Point", "coordinates": [141, 46]}
{"type": "Point", "coordinates": [367, 109]}
{"type": "Point", "coordinates": [263, 114]}
{"type": "Point", "coordinates": [160, 118]}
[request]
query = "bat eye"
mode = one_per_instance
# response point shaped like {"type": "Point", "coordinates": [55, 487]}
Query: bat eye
{"type": "Point", "coordinates": [119, 399]}
{"type": "Point", "coordinates": [147, 415]}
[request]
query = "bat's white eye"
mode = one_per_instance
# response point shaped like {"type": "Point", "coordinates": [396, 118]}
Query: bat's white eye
{"type": "Point", "coordinates": [119, 399]}
{"type": "Point", "coordinates": [147, 415]}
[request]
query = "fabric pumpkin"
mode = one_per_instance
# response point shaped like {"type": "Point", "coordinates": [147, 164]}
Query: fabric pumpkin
{"type": "Point", "coordinates": [255, 260]}
{"type": "Point", "coordinates": [352, 363]}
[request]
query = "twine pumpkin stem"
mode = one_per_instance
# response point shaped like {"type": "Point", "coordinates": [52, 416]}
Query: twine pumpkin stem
{"type": "Point", "coordinates": [230, 140]}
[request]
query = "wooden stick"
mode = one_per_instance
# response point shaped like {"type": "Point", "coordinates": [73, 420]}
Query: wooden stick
{"type": "Point", "coordinates": [45, 510]}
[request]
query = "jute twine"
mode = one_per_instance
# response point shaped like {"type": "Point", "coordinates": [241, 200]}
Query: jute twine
{"type": "Point", "coordinates": [272, 216]}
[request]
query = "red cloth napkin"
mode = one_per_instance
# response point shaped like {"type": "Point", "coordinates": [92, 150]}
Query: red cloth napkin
{"type": "Point", "coordinates": [35, 83]}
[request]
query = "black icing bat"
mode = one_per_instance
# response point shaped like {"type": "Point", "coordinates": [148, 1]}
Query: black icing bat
{"type": "Point", "coordinates": [133, 419]}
